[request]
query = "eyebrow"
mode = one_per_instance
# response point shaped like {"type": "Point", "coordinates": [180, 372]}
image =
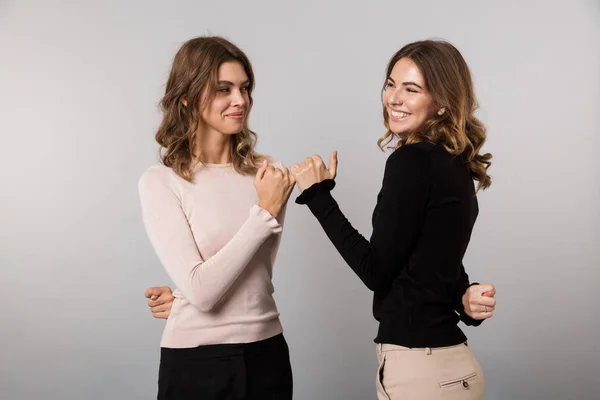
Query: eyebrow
{"type": "Point", "coordinates": [231, 83]}
{"type": "Point", "coordinates": [410, 83]}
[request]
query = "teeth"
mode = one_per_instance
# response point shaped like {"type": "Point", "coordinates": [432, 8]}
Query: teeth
{"type": "Point", "coordinates": [399, 114]}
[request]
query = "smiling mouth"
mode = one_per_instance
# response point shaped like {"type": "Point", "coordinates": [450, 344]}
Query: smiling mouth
{"type": "Point", "coordinates": [398, 115]}
{"type": "Point", "coordinates": [235, 115]}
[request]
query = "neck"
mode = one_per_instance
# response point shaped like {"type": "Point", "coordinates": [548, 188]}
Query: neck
{"type": "Point", "coordinates": [213, 147]}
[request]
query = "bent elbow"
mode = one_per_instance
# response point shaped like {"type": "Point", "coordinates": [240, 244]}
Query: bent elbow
{"type": "Point", "coordinates": [204, 304]}
{"type": "Point", "coordinates": [373, 284]}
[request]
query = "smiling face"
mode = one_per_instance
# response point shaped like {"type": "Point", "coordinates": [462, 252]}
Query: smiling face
{"type": "Point", "coordinates": [407, 102]}
{"type": "Point", "coordinates": [230, 106]}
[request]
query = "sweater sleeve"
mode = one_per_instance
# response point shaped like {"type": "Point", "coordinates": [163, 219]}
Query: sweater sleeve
{"type": "Point", "coordinates": [397, 220]}
{"type": "Point", "coordinates": [203, 282]}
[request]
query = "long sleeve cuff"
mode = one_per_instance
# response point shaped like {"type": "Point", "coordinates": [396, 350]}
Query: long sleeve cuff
{"type": "Point", "coordinates": [316, 191]}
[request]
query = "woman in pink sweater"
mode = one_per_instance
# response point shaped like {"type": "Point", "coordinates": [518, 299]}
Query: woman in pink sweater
{"type": "Point", "coordinates": [213, 211]}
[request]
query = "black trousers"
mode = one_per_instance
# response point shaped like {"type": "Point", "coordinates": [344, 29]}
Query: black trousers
{"type": "Point", "coordinates": [248, 371]}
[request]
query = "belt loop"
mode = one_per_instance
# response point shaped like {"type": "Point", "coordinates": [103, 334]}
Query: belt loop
{"type": "Point", "coordinates": [428, 350]}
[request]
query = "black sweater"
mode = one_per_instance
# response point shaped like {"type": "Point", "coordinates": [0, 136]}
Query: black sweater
{"type": "Point", "coordinates": [422, 224]}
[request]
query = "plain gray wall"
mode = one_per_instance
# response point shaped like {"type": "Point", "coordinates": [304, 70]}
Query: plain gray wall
{"type": "Point", "coordinates": [79, 87]}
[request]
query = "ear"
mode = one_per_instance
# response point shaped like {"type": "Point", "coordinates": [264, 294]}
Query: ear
{"type": "Point", "coordinates": [184, 101]}
{"type": "Point", "coordinates": [441, 111]}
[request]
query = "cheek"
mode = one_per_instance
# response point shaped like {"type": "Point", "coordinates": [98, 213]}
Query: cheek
{"type": "Point", "coordinates": [220, 105]}
{"type": "Point", "coordinates": [215, 108]}
{"type": "Point", "coordinates": [420, 107]}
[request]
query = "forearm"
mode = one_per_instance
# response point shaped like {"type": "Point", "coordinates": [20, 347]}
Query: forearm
{"type": "Point", "coordinates": [354, 248]}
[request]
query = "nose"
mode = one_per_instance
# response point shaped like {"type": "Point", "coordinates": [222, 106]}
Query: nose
{"type": "Point", "coordinates": [238, 99]}
{"type": "Point", "coordinates": [395, 97]}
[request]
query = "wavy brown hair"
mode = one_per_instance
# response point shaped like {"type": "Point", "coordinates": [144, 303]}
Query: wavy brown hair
{"type": "Point", "coordinates": [448, 81]}
{"type": "Point", "coordinates": [194, 73]}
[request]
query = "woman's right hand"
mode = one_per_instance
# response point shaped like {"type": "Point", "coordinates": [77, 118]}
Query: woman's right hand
{"type": "Point", "coordinates": [479, 301]}
{"type": "Point", "coordinates": [273, 187]}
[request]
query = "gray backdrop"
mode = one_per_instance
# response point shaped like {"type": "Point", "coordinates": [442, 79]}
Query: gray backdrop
{"type": "Point", "coordinates": [79, 86]}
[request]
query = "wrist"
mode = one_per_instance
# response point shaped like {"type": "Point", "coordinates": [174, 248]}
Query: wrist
{"type": "Point", "coordinates": [270, 208]}
{"type": "Point", "coordinates": [465, 302]}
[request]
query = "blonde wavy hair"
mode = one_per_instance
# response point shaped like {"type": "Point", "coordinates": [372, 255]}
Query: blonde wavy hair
{"type": "Point", "coordinates": [189, 90]}
{"type": "Point", "coordinates": [448, 80]}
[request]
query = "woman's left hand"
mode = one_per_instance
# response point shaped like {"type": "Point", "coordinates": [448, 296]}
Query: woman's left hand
{"type": "Point", "coordinates": [312, 170]}
{"type": "Point", "coordinates": [160, 301]}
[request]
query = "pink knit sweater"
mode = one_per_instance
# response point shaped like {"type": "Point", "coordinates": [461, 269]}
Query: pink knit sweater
{"type": "Point", "coordinates": [218, 246]}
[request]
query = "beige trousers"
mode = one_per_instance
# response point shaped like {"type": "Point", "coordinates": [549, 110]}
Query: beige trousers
{"type": "Point", "coordinates": [442, 373]}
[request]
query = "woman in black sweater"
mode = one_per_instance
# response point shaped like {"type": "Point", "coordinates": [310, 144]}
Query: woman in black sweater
{"type": "Point", "coordinates": [422, 224]}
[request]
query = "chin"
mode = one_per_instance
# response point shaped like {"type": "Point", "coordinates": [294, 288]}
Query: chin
{"type": "Point", "coordinates": [398, 131]}
{"type": "Point", "coordinates": [233, 130]}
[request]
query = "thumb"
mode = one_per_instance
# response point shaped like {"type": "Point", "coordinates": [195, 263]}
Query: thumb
{"type": "Point", "coordinates": [333, 162]}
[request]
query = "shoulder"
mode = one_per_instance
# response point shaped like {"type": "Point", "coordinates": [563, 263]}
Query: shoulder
{"type": "Point", "coordinates": [411, 155]}
{"type": "Point", "coordinates": [157, 177]}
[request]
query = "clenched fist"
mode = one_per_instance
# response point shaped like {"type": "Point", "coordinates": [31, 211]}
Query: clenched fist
{"type": "Point", "coordinates": [273, 187]}
{"type": "Point", "coordinates": [479, 301]}
{"type": "Point", "coordinates": [160, 301]}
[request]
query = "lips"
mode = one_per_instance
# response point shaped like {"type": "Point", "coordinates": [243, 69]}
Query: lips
{"type": "Point", "coordinates": [398, 116]}
{"type": "Point", "coordinates": [237, 115]}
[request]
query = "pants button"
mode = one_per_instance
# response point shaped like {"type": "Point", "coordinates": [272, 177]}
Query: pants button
{"type": "Point", "coordinates": [465, 384]}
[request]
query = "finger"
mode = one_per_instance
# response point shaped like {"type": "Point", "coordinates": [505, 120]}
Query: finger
{"type": "Point", "coordinates": [270, 170]}
{"type": "Point", "coordinates": [483, 315]}
{"type": "Point", "coordinates": [153, 291]}
{"type": "Point", "coordinates": [333, 162]}
{"type": "Point", "coordinates": [476, 301]}
{"type": "Point", "coordinates": [294, 169]}
{"type": "Point", "coordinates": [487, 301]}
{"type": "Point", "coordinates": [161, 308]}
{"type": "Point", "coordinates": [317, 159]}
{"type": "Point", "coordinates": [486, 287]}
{"type": "Point", "coordinates": [261, 171]}
{"type": "Point", "coordinates": [160, 300]}
{"type": "Point", "coordinates": [290, 179]}
{"type": "Point", "coordinates": [483, 308]}
{"type": "Point", "coordinates": [154, 303]}
{"type": "Point", "coordinates": [161, 315]}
